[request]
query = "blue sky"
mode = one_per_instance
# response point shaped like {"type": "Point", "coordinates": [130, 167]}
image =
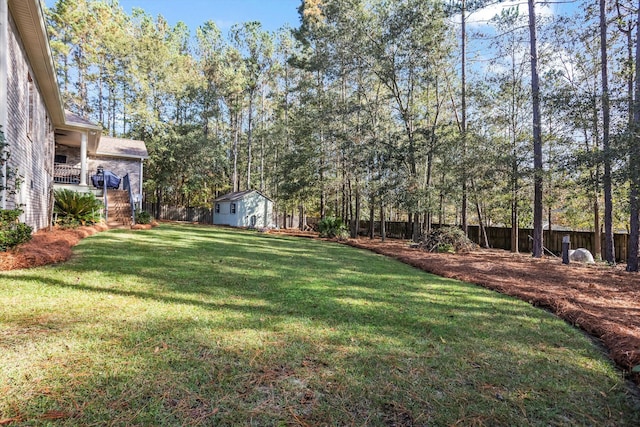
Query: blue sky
{"type": "Point", "coordinates": [273, 14]}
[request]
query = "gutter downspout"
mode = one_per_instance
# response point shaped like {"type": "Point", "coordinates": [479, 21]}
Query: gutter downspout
{"type": "Point", "coordinates": [4, 110]}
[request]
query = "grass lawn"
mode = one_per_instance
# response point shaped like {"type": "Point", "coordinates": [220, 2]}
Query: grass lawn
{"type": "Point", "coordinates": [189, 325]}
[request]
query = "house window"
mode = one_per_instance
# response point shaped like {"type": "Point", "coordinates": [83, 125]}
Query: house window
{"type": "Point", "coordinates": [233, 208]}
{"type": "Point", "coordinates": [217, 207]}
{"type": "Point", "coordinates": [31, 104]}
{"type": "Point", "coordinates": [60, 158]}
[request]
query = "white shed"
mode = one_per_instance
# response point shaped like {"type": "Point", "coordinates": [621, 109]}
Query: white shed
{"type": "Point", "coordinates": [248, 208]}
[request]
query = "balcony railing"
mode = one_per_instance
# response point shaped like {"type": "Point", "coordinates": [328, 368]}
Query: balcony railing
{"type": "Point", "coordinates": [65, 174]}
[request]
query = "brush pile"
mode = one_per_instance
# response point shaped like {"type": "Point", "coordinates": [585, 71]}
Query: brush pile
{"type": "Point", "coordinates": [446, 240]}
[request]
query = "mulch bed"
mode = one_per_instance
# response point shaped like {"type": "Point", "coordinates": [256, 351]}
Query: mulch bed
{"type": "Point", "coordinates": [46, 247]}
{"type": "Point", "coordinates": [52, 246]}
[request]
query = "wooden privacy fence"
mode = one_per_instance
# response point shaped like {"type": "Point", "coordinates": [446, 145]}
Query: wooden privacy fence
{"type": "Point", "coordinates": [500, 237]}
{"type": "Point", "coordinates": [179, 213]}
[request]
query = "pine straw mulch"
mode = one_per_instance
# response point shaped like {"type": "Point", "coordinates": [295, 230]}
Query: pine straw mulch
{"type": "Point", "coordinates": [51, 246]}
{"type": "Point", "coordinates": [46, 247]}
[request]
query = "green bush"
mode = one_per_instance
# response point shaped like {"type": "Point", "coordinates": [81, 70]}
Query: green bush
{"type": "Point", "coordinates": [332, 227]}
{"type": "Point", "coordinates": [12, 232]}
{"type": "Point", "coordinates": [74, 209]}
{"type": "Point", "coordinates": [143, 217]}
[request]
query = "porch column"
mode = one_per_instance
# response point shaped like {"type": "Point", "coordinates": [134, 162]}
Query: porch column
{"type": "Point", "coordinates": [83, 159]}
{"type": "Point", "coordinates": [4, 64]}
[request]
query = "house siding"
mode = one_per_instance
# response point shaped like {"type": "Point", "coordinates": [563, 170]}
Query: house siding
{"type": "Point", "coordinates": [73, 155]}
{"type": "Point", "coordinates": [31, 150]}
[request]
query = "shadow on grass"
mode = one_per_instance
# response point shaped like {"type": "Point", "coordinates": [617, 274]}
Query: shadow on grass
{"type": "Point", "coordinates": [227, 327]}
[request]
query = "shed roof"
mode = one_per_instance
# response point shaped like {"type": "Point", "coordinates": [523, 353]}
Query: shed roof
{"type": "Point", "coordinates": [119, 147]}
{"type": "Point", "coordinates": [231, 197]}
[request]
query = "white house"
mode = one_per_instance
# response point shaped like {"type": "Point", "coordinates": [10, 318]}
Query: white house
{"type": "Point", "coordinates": [248, 208]}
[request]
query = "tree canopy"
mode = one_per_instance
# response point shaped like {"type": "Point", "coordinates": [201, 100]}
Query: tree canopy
{"type": "Point", "coordinates": [374, 108]}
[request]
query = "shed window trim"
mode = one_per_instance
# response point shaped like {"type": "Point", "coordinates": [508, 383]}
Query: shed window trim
{"type": "Point", "coordinates": [217, 207]}
{"type": "Point", "coordinates": [233, 208]}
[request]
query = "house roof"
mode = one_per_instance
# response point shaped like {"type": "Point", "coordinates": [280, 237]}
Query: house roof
{"type": "Point", "coordinates": [118, 147]}
{"type": "Point", "coordinates": [76, 119]}
{"type": "Point", "coordinates": [70, 133]}
{"type": "Point", "coordinates": [29, 19]}
{"type": "Point", "coordinates": [231, 197]}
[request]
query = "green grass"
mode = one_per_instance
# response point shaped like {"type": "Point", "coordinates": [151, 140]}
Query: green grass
{"type": "Point", "coordinates": [187, 325]}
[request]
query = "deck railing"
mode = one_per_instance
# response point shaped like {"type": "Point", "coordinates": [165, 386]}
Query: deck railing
{"type": "Point", "coordinates": [66, 174]}
{"type": "Point", "coordinates": [126, 185]}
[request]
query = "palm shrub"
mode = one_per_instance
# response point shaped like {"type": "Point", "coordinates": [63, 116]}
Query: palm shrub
{"type": "Point", "coordinates": [74, 209]}
{"type": "Point", "coordinates": [333, 227]}
{"type": "Point", "coordinates": [12, 231]}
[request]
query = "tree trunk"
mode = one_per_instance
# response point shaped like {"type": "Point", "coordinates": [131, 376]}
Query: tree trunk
{"type": "Point", "coordinates": [372, 227]}
{"type": "Point", "coordinates": [158, 202]}
{"type": "Point", "coordinates": [634, 165]}
{"type": "Point", "coordinates": [383, 233]}
{"type": "Point", "coordinates": [356, 227]}
{"type": "Point", "coordinates": [262, 141]}
{"type": "Point", "coordinates": [515, 230]}
{"type": "Point", "coordinates": [236, 132]}
{"type": "Point", "coordinates": [609, 254]}
{"type": "Point", "coordinates": [322, 189]}
{"type": "Point", "coordinates": [515, 225]}
{"type": "Point", "coordinates": [482, 231]}
{"type": "Point", "coordinates": [441, 213]}
{"type": "Point", "coordinates": [463, 121]}
{"type": "Point", "coordinates": [597, 235]}
{"type": "Point", "coordinates": [249, 136]}
{"type": "Point", "coordinates": [302, 221]}
{"type": "Point", "coordinates": [537, 137]}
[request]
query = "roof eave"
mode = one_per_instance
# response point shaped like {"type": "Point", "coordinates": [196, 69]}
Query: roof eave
{"type": "Point", "coordinates": [94, 133]}
{"type": "Point", "coordinates": [122, 156]}
{"type": "Point", "coordinates": [29, 19]}
{"type": "Point", "coordinates": [224, 198]}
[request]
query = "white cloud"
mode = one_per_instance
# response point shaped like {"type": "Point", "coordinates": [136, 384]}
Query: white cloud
{"type": "Point", "coordinates": [482, 17]}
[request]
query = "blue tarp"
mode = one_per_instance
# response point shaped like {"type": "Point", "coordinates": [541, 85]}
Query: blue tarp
{"type": "Point", "coordinates": [113, 180]}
